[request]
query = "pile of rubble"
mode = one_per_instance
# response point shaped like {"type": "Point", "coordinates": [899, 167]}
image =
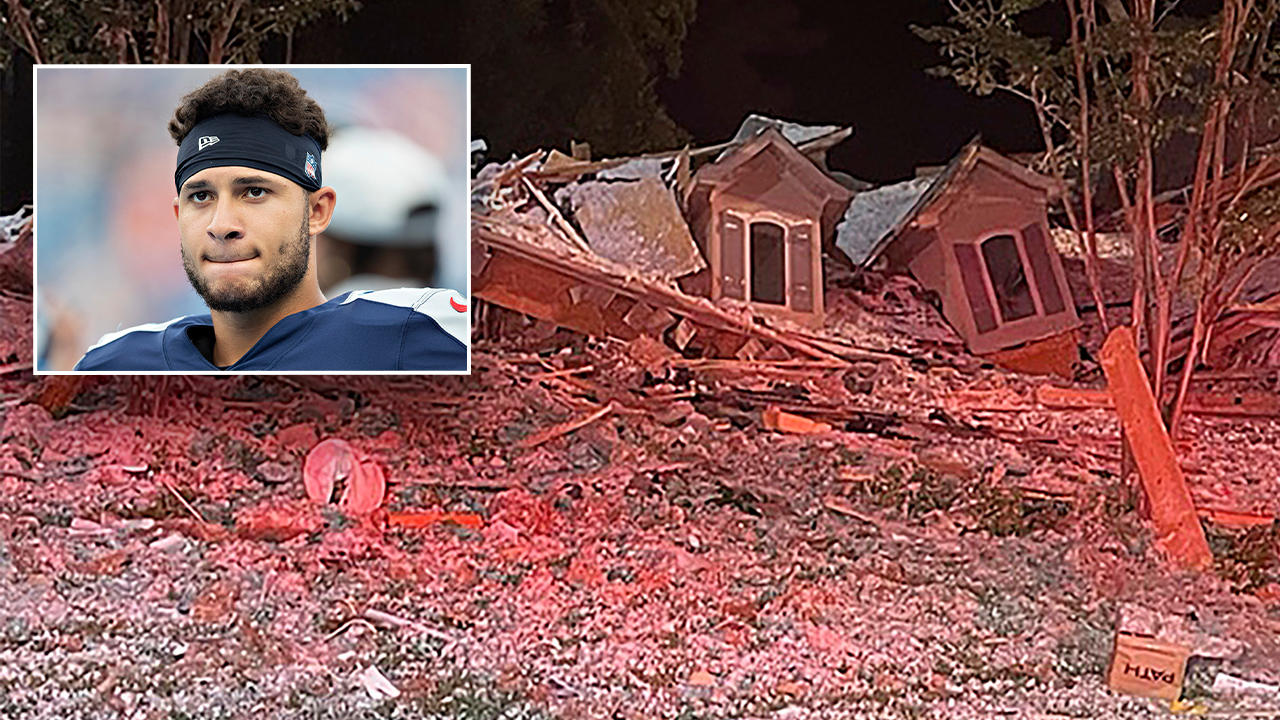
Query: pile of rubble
{"type": "Point", "coordinates": [584, 529]}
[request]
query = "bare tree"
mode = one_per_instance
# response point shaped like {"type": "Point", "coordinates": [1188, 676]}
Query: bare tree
{"type": "Point", "coordinates": [1109, 91]}
{"type": "Point", "coordinates": [154, 31]}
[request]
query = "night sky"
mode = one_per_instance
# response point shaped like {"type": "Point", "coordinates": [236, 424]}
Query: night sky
{"type": "Point", "coordinates": [838, 63]}
{"type": "Point", "coordinates": [811, 61]}
{"type": "Point", "coordinates": [15, 135]}
{"type": "Point", "coordinates": [848, 63]}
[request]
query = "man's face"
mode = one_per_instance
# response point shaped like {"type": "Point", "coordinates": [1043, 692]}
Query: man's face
{"type": "Point", "coordinates": [245, 237]}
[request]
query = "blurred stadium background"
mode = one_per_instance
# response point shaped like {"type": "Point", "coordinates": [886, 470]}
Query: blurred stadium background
{"type": "Point", "coordinates": [106, 240]}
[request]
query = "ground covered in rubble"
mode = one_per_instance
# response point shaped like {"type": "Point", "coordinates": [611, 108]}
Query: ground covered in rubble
{"type": "Point", "coordinates": [627, 540]}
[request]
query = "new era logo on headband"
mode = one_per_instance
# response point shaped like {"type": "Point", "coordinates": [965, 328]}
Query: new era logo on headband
{"type": "Point", "coordinates": [310, 166]}
{"type": "Point", "coordinates": [206, 141]}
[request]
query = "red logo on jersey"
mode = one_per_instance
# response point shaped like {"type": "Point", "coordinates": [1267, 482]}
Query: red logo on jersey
{"type": "Point", "coordinates": [456, 306]}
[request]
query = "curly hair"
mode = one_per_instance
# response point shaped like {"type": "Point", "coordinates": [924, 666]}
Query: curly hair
{"type": "Point", "coordinates": [256, 91]}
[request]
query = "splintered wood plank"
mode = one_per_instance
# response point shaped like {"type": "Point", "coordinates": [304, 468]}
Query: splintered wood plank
{"type": "Point", "coordinates": [1060, 398]}
{"type": "Point", "coordinates": [1172, 510]}
{"type": "Point", "coordinates": [776, 419]}
{"type": "Point", "coordinates": [750, 350]}
{"type": "Point", "coordinates": [776, 352]}
{"type": "Point", "coordinates": [658, 322]}
{"type": "Point", "coordinates": [638, 316]}
{"type": "Point", "coordinates": [479, 258]}
{"type": "Point", "coordinates": [684, 332]}
{"type": "Point", "coordinates": [565, 428]}
{"type": "Point", "coordinates": [593, 295]}
{"type": "Point", "coordinates": [516, 284]}
{"type": "Point", "coordinates": [1244, 404]}
{"type": "Point", "coordinates": [57, 392]}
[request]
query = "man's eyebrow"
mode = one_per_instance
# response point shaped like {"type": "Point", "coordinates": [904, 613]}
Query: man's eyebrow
{"type": "Point", "coordinates": [253, 180]}
{"type": "Point", "coordinates": [198, 185]}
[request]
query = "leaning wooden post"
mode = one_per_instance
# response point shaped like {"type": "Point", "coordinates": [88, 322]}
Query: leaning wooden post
{"type": "Point", "coordinates": [1172, 511]}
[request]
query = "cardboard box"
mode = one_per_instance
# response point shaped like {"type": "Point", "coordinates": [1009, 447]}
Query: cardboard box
{"type": "Point", "coordinates": [1147, 667]}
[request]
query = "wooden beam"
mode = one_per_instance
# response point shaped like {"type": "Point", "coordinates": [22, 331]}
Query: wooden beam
{"type": "Point", "coordinates": [565, 428]}
{"type": "Point", "coordinates": [557, 219]}
{"type": "Point", "coordinates": [1172, 510]}
{"type": "Point", "coordinates": [575, 269]}
{"type": "Point", "coordinates": [638, 315]}
{"type": "Point", "coordinates": [750, 350]}
{"type": "Point", "coordinates": [479, 258]}
{"type": "Point", "coordinates": [1243, 404]}
{"type": "Point", "coordinates": [684, 333]}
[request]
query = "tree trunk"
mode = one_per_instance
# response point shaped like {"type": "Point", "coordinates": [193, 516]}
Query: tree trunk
{"type": "Point", "coordinates": [160, 51]}
{"type": "Point", "coordinates": [184, 42]}
{"type": "Point", "coordinates": [1143, 201]}
{"type": "Point", "coordinates": [22, 17]}
{"type": "Point", "coordinates": [1184, 384]}
{"type": "Point", "coordinates": [1079, 49]}
{"type": "Point", "coordinates": [1207, 203]}
{"type": "Point", "coordinates": [1137, 308]}
{"type": "Point", "coordinates": [218, 39]}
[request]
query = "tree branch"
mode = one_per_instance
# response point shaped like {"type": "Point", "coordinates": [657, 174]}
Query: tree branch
{"type": "Point", "coordinates": [22, 16]}
{"type": "Point", "coordinates": [1115, 8]}
{"type": "Point", "coordinates": [1055, 117]}
{"type": "Point", "coordinates": [160, 51]}
{"type": "Point", "coordinates": [1089, 240]}
{"type": "Point", "coordinates": [1168, 9]}
{"type": "Point", "coordinates": [218, 38]}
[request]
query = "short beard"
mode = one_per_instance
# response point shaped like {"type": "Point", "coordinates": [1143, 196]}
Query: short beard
{"type": "Point", "coordinates": [276, 283]}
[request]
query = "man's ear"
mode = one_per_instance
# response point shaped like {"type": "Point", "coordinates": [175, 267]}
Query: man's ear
{"type": "Point", "coordinates": [175, 208]}
{"type": "Point", "coordinates": [321, 202]}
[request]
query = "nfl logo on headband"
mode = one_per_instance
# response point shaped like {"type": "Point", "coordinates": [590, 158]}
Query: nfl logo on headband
{"type": "Point", "coordinates": [310, 166]}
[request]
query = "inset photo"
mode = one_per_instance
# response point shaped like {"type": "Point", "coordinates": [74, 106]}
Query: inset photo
{"type": "Point", "coordinates": [252, 219]}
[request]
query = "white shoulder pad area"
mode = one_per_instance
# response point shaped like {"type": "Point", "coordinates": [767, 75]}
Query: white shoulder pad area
{"type": "Point", "coordinates": [149, 327]}
{"type": "Point", "coordinates": [447, 307]}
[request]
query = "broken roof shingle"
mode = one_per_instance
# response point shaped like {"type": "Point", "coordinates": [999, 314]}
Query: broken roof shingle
{"type": "Point", "coordinates": [875, 214]}
{"type": "Point", "coordinates": [636, 224]}
{"type": "Point", "coordinates": [795, 133]}
{"type": "Point", "coordinates": [634, 169]}
{"type": "Point", "coordinates": [11, 225]}
{"type": "Point", "coordinates": [863, 239]}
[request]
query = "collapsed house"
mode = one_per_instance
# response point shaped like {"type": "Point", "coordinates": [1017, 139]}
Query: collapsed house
{"type": "Point", "coordinates": [977, 234]}
{"type": "Point", "coordinates": [727, 261]}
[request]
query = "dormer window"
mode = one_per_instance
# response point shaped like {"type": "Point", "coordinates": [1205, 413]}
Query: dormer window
{"type": "Point", "coordinates": [768, 263]}
{"type": "Point", "coordinates": [1008, 279]}
{"type": "Point", "coordinates": [760, 214]}
{"type": "Point", "coordinates": [994, 272]}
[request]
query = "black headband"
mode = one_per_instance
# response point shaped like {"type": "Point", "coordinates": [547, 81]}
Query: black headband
{"type": "Point", "coordinates": [255, 142]}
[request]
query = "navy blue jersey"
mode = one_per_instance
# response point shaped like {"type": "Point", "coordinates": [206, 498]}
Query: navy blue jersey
{"type": "Point", "coordinates": [406, 329]}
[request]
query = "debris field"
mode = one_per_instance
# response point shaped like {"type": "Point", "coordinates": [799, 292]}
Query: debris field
{"type": "Point", "coordinates": [590, 527]}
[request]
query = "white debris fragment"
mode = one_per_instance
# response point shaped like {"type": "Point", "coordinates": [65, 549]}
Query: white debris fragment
{"type": "Point", "coordinates": [11, 225]}
{"type": "Point", "coordinates": [1224, 684]}
{"type": "Point", "coordinates": [377, 684]}
{"type": "Point", "coordinates": [169, 543]}
{"type": "Point", "coordinates": [82, 527]}
{"type": "Point", "coordinates": [138, 525]}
